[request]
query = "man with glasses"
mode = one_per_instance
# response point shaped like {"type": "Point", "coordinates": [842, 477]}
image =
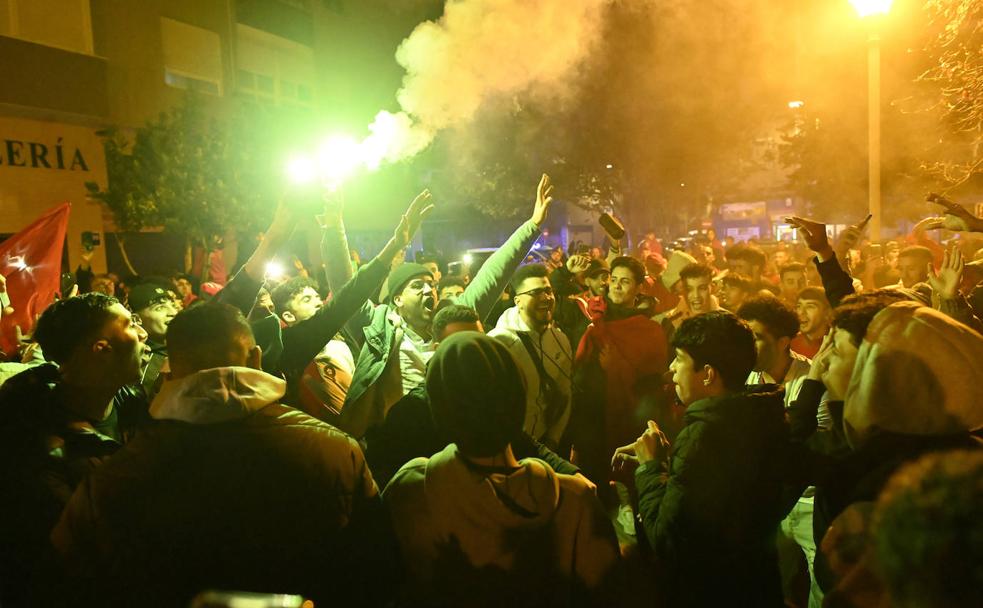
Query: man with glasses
{"type": "Point", "coordinates": [153, 307]}
{"type": "Point", "coordinates": [542, 351]}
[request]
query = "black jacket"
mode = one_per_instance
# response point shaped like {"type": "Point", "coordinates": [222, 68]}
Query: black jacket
{"type": "Point", "coordinates": [45, 452]}
{"type": "Point", "coordinates": [711, 510]}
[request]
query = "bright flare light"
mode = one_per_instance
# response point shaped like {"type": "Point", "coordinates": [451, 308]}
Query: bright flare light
{"type": "Point", "coordinates": [467, 258]}
{"type": "Point", "coordinates": [301, 170]}
{"type": "Point", "coordinates": [867, 8]}
{"type": "Point", "coordinates": [795, 105]}
{"type": "Point", "coordinates": [274, 270]}
{"type": "Point", "coordinates": [338, 158]}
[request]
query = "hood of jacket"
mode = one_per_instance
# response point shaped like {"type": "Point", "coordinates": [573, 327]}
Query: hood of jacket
{"type": "Point", "coordinates": [457, 492]}
{"type": "Point", "coordinates": [511, 320]}
{"type": "Point", "coordinates": [217, 395]}
{"type": "Point", "coordinates": [917, 373]}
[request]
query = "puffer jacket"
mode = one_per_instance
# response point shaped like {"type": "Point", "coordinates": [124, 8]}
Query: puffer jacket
{"type": "Point", "coordinates": [228, 489]}
{"type": "Point", "coordinates": [711, 510]}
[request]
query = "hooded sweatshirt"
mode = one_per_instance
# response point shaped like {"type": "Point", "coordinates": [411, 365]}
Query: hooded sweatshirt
{"type": "Point", "coordinates": [228, 490]}
{"type": "Point", "coordinates": [473, 536]}
{"type": "Point", "coordinates": [546, 416]}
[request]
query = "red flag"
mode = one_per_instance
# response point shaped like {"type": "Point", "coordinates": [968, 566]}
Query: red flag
{"type": "Point", "coordinates": [31, 262]}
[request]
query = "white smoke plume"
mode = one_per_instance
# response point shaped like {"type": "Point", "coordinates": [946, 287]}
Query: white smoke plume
{"type": "Point", "coordinates": [479, 50]}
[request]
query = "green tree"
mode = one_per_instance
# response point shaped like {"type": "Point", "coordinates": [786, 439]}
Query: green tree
{"type": "Point", "coordinates": [190, 174]}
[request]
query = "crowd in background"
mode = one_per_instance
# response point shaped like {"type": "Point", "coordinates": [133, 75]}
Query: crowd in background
{"type": "Point", "coordinates": [700, 422]}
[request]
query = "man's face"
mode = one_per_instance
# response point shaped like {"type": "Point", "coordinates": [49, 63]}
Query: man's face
{"type": "Point", "coordinates": [732, 296]}
{"type": "Point", "coordinates": [598, 283]}
{"type": "Point", "coordinates": [451, 291]}
{"type": "Point", "coordinates": [813, 317]}
{"type": "Point", "coordinates": [416, 302]}
{"type": "Point", "coordinates": [127, 344]}
{"type": "Point", "coordinates": [688, 379]}
{"type": "Point", "coordinates": [183, 287]}
{"type": "Point", "coordinates": [535, 300]}
{"type": "Point", "coordinates": [104, 285]}
{"type": "Point", "coordinates": [765, 345]}
{"type": "Point", "coordinates": [780, 257]}
{"type": "Point", "coordinates": [623, 288]}
{"type": "Point", "coordinates": [303, 306]}
{"type": "Point", "coordinates": [596, 253]}
{"type": "Point", "coordinates": [793, 282]}
{"type": "Point", "coordinates": [913, 269]}
{"type": "Point", "coordinates": [156, 317]}
{"type": "Point", "coordinates": [697, 291]}
{"type": "Point", "coordinates": [842, 358]}
{"type": "Point", "coordinates": [434, 269]}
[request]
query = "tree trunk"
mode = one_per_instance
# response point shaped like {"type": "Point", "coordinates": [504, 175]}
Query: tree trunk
{"type": "Point", "coordinates": [122, 251]}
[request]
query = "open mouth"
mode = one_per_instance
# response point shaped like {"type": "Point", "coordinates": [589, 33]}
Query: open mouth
{"type": "Point", "coordinates": [429, 304]}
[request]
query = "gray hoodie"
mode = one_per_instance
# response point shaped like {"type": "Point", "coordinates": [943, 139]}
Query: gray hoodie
{"type": "Point", "coordinates": [529, 536]}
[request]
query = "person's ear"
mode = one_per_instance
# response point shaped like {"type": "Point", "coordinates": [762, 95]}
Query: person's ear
{"type": "Point", "coordinates": [709, 375]}
{"type": "Point", "coordinates": [255, 358]}
{"type": "Point", "coordinates": [101, 345]}
{"type": "Point", "coordinates": [397, 301]}
{"type": "Point", "coordinates": [783, 343]}
{"type": "Point", "coordinates": [288, 317]}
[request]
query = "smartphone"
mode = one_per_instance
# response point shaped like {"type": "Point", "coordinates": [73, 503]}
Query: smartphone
{"type": "Point", "coordinates": [612, 226]}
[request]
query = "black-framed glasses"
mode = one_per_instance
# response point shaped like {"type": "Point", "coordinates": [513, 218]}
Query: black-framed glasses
{"type": "Point", "coordinates": [538, 292]}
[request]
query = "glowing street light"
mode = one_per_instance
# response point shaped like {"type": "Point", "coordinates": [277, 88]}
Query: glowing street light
{"type": "Point", "coordinates": [872, 9]}
{"type": "Point", "coordinates": [868, 8]}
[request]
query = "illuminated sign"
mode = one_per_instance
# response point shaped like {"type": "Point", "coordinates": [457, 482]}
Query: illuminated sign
{"type": "Point", "coordinates": [38, 155]}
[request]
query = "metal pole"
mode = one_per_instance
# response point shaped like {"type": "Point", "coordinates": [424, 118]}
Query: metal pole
{"type": "Point", "coordinates": [874, 131]}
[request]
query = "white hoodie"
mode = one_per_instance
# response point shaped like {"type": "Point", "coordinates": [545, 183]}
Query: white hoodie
{"type": "Point", "coordinates": [462, 531]}
{"type": "Point", "coordinates": [217, 395]}
{"type": "Point", "coordinates": [553, 349]}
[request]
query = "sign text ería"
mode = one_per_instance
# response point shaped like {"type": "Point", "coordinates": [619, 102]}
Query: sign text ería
{"type": "Point", "coordinates": [36, 155]}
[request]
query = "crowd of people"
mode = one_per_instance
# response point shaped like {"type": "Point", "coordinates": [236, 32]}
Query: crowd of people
{"type": "Point", "coordinates": [701, 423]}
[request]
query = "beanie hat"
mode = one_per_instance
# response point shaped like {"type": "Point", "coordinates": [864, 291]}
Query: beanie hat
{"type": "Point", "coordinates": [146, 294]}
{"type": "Point", "coordinates": [402, 275]}
{"type": "Point", "coordinates": [917, 373]}
{"type": "Point", "coordinates": [677, 261]}
{"type": "Point", "coordinates": [477, 393]}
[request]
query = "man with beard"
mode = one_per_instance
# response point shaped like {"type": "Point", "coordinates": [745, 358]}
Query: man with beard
{"type": "Point", "coordinates": [619, 366]}
{"type": "Point", "coordinates": [542, 352]}
{"type": "Point", "coordinates": [398, 340]}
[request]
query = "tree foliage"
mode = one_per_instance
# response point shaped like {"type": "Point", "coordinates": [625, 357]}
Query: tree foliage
{"type": "Point", "coordinates": [188, 173]}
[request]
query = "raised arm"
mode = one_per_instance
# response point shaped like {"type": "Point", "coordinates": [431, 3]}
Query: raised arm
{"type": "Point", "coordinates": [303, 341]}
{"type": "Point", "coordinates": [836, 281]}
{"type": "Point", "coordinates": [242, 289]}
{"type": "Point", "coordinates": [487, 286]}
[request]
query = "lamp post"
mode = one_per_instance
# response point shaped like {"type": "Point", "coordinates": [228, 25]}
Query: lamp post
{"type": "Point", "coordinates": [871, 10]}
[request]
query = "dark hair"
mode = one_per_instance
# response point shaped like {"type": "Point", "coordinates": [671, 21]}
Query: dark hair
{"type": "Point", "coordinates": [732, 279]}
{"type": "Point", "coordinates": [69, 323]}
{"type": "Point", "coordinates": [206, 336]}
{"type": "Point", "coordinates": [927, 532]}
{"type": "Point", "coordinates": [813, 294]}
{"type": "Point", "coordinates": [450, 281]}
{"type": "Point", "coordinates": [722, 341]}
{"type": "Point", "coordinates": [452, 313]}
{"type": "Point", "coordinates": [856, 312]}
{"type": "Point", "coordinates": [774, 314]}
{"type": "Point", "coordinates": [917, 251]}
{"type": "Point", "coordinates": [529, 271]}
{"type": "Point", "coordinates": [287, 290]}
{"type": "Point", "coordinates": [751, 255]}
{"type": "Point", "coordinates": [424, 257]}
{"type": "Point", "coordinates": [695, 271]}
{"type": "Point", "coordinates": [634, 266]}
{"type": "Point", "coordinates": [791, 267]}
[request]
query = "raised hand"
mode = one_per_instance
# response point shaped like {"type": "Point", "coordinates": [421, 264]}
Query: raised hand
{"type": "Point", "coordinates": [849, 239]}
{"type": "Point", "coordinates": [946, 281]}
{"type": "Point", "coordinates": [543, 200]}
{"type": "Point", "coordinates": [814, 234]}
{"type": "Point", "coordinates": [411, 220]}
{"type": "Point", "coordinates": [957, 218]}
{"type": "Point", "coordinates": [577, 264]}
{"type": "Point", "coordinates": [820, 362]}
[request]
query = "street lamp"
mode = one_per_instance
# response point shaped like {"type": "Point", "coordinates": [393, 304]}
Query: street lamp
{"type": "Point", "coordinates": [873, 9]}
